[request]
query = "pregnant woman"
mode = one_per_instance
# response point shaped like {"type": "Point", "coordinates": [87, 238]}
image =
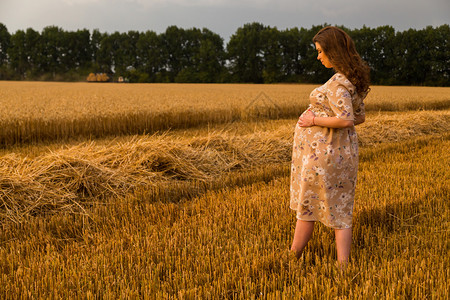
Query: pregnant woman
{"type": "Point", "coordinates": [325, 150]}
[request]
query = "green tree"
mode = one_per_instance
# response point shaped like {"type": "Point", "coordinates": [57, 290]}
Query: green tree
{"type": "Point", "coordinates": [149, 56]}
{"type": "Point", "coordinates": [411, 67]}
{"type": "Point", "coordinates": [313, 70]}
{"type": "Point", "coordinates": [5, 39]}
{"type": "Point", "coordinates": [117, 53]}
{"type": "Point", "coordinates": [52, 48]}
{"type": "Point", "coordinates": [191, 55]}
{"type": "Point", "coordinates": [128, 44]}
{"type": "Point", "coordinates": [384, 58]}
{"type": "Point", "coordinates": [246, 53]}
{"type": "Point", "coordinates": [81, 48]}
{"type": "Point", "coordinates": [272, 52]}
{"type": "Point", "coordinates": [291, 54]}
{"type": "Point", "coordinates": [4, 44]}
{"type": "Point", "coordinates": [437, 43]}
{"type": "Point", "coordinates": [95, 42]}
{"type": "Point", "coordinates": [368, 46]}
{"type": "Point", "coordinates": [18, 54]}
{"type": "Point", "coordinates": [104, 54]}
{"type": "Point", "coordinates": [174, 46]}
{"type": "Point", "coordinates": [208, 57]}
{"type": "Point", "coordinates": [35, 59]}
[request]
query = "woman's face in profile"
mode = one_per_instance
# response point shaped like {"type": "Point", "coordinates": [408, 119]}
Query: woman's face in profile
{"type": "Point", "coordinates": [322, 57]}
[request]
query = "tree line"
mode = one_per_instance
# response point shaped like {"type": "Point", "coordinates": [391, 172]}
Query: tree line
{"type": "Point", "coordinates": [254, 53]}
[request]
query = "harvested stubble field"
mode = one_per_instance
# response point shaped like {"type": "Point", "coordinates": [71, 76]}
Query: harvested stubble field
{"type": "Point", "coordinates": [203, 212]}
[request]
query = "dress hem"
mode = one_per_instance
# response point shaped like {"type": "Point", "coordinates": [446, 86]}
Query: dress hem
{"type": "Point", "coordinates": [328, 225]}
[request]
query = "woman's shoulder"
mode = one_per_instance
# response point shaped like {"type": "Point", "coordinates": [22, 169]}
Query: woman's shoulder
{"type": "Point", "coordinates": [340, 79]}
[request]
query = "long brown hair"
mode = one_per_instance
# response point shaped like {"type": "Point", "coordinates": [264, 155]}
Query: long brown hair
{"type": "Point", "coordinates": [340, 49]}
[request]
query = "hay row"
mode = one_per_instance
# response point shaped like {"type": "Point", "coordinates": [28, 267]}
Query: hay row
{"type": "Point", "coordinates": [31, 130]}
{"type": "Point", "coordinates": [70, 178]}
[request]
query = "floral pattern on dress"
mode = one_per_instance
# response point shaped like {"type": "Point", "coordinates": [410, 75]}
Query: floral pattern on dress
{"type": "Point", "coordinates": [325, 160]}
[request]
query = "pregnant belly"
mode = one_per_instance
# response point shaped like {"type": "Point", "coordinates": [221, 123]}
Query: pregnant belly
{"type": "Point", "coordinates": [316, 134]}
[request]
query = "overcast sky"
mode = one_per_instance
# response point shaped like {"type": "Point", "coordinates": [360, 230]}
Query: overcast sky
{"type": "Point", "coordinates": [223, 17]}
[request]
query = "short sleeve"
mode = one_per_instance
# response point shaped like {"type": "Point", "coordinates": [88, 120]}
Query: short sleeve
{"type": "Point", "coordinates": [340, 98]}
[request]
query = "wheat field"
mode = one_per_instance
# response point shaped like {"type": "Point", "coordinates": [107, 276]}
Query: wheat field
{"type": "Point", "coordinates": [197, 206]}
{"type": "Point", "coordinates": [36, 111]}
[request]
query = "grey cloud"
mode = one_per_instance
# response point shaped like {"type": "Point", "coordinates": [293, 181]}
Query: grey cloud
{"type": "Point", "coordinates": [220, 16]}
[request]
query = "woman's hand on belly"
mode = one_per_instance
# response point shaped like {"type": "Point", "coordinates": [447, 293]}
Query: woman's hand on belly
{"type": "Point", "coordinates": [306, 119]}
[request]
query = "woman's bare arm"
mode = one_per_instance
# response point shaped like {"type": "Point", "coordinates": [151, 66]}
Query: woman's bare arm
{"type": "Point", "coordinates": [309, 119]}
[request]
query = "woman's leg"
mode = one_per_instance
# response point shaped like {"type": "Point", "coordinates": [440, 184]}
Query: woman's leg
{"type": "Point", "coordinates": [302, 234]}
{"type": "Point", "coordinates": [343, 244]}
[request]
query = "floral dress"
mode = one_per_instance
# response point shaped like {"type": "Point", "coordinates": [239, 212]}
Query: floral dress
{"type": "Point", "coordinates": [325, 160]}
